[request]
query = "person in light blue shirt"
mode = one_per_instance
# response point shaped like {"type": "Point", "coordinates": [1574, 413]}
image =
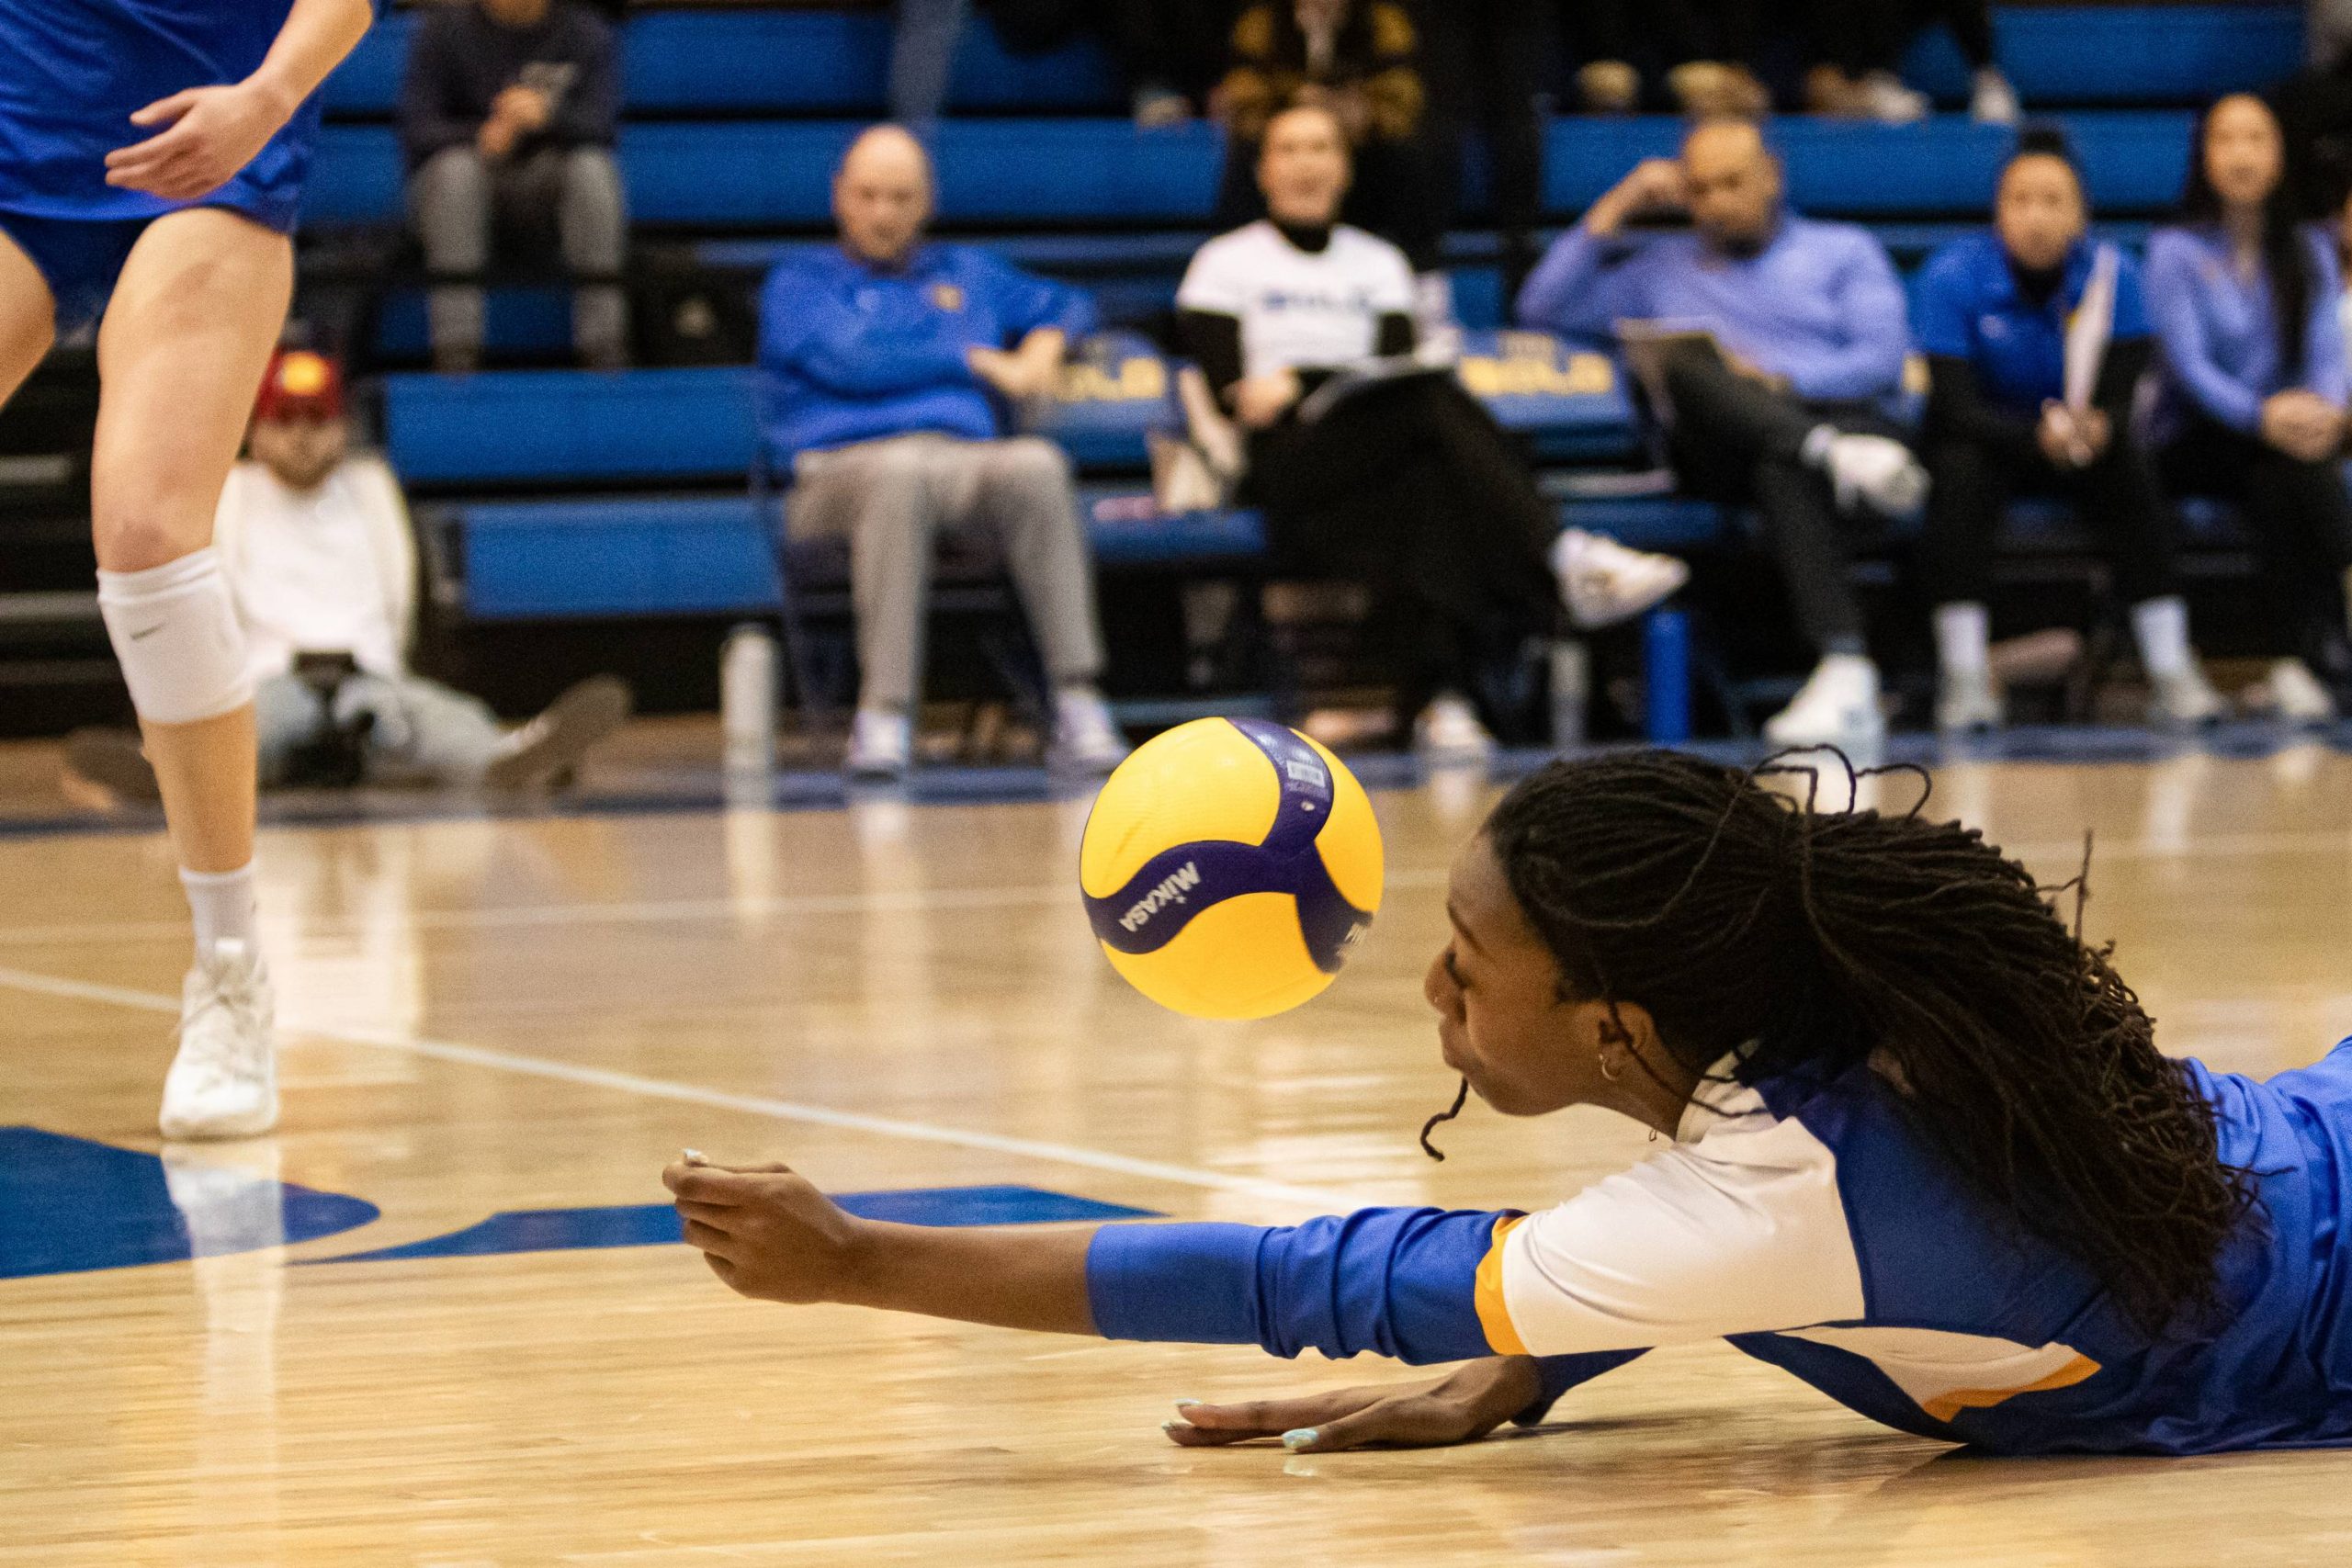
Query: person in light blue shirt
{"type": "Point", "coordinates": [888, 370]}
{"type": "Point", "coordinates": [2254, 387]}
{"type": "Point", "coordinates": [2037, 339]}
{"type": "Point", "coordinates": [1925, 1157]}
{"type": "Point", "coordinates": [1786, 402]}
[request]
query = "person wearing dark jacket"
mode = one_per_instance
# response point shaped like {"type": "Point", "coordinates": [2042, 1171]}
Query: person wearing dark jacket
{"type": "Point", "coordinates": [2037, 338]}
{"type": "Point", "coordinates": [507, 119]}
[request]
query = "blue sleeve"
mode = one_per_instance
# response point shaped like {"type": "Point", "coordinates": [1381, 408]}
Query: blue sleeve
{"type": "Point", "coordinates": [2173, 288]}
{"type": "Point", "coordinates": [1868, 363]}
{"type": "Point", "coordinates": [2131, 302]}
{"type": "Point", "coordinates": [1942, 317]}
{"type": "Point", "coordinates": [1401, 1282]}
{"type": "Point", "coordinates": [1024, 303]}
{"type": "Point", "coordinates": [1582, 288]}
{"type": "Point", "coordinates": [2323, 358]}
{"type": "Point", "coordinates": [1561, 1373]}
{"type": "Point", "coordinates": [806, 332]}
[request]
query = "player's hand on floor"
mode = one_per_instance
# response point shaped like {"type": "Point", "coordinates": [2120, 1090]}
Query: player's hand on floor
{"type": "Point", "coordinates": [203, 136]}
{"type": "Point", "coordinates": [766, 1232]}
{"type": "Point", "coordinates": [1461, 1408]}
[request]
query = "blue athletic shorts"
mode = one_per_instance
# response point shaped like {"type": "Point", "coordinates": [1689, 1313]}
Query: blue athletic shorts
{"type": "Point", "coordinates": [81, 257]}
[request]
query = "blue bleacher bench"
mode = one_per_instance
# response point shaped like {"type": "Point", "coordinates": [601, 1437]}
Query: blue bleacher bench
{"type": "Point", "coordinates": [801, 61]}
{"type": "Point", "coordinates": [808, 61]}
{"type": "Point", "coordinates": [777, 174]}
{"type": "Point", "coordinates": [571, 427]}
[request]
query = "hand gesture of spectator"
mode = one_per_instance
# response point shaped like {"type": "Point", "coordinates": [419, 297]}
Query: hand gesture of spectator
{"type": "Point", "coordinates": [1655, 185]}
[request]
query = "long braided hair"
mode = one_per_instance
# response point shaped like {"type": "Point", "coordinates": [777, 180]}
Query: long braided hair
{"type": "Point", "coordinates": [1740, 919]}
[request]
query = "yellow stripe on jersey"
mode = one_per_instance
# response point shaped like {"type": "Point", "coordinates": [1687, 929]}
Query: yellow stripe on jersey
{"type": "Point", "coordinates": [1944, 1406]}
{"type": "Point", "coordinates": [1493, 1316]}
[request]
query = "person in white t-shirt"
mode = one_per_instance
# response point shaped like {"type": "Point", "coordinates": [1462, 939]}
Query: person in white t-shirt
{"type": "Point", "coordinates": [1371, 466]}
{"type": "Point", "coordinates": [316, 545]}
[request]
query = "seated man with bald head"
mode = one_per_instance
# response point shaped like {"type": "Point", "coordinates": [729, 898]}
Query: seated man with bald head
{"type": "Point", "coordinates": [1789, 406]}
{"type": "Point", "coordinates": [890, 368]}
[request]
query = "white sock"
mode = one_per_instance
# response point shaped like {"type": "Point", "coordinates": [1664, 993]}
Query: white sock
{"type": "Point", "coordinates": [1962, 637]}
{"type": "Point", "coordinates": [222, 905]}
{"type": "Point", "coordinates": [2161, 629]}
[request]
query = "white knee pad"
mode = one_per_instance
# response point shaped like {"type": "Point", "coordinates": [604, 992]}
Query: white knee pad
{"type": "Point", "coordinates": [175, 631]}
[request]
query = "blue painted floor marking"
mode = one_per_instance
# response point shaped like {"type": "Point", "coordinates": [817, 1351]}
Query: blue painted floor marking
{"type": "Point", "coordinates": [657, 1224]}
{"type": "Point", "coordinates": [69, 1205]}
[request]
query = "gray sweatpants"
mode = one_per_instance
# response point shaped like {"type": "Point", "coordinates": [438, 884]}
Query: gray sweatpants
{"type": "Point", "coordinates": [460, 204]}
{"type": "Point", "coordinates": [888, 498]}
{"type": "Point", "coordinates": [424, 733]}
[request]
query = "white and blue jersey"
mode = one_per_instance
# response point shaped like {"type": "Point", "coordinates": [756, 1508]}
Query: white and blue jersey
{"type": "Point", "coordinates": [75, 71]}
{"type": "Point", "coordinates": [1807, 1220]}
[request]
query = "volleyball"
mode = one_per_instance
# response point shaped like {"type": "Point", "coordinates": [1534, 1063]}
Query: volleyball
{"type": "Point", "coordinates": [1229, 867]}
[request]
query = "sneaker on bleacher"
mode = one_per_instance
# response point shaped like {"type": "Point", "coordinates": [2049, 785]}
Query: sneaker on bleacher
{"type": "Point", "coordinates": [1448, 732]}
{"type": "Point", "coordinates": [2291, 693]}
{"type": "Point", "coordinates": [1603, 583]}
{"type": "Point", "coordinates": [1837, 706]}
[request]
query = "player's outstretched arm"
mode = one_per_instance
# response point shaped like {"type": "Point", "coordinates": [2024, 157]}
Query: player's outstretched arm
{"type": "Point", "coordinates": [769, 1234]}
{"type": "Point", "coordinates": [204, 135]}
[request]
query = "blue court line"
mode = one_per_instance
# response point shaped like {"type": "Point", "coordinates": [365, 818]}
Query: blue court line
{"type": "Point", "coordinates": [657, 1224]}
{"type": "Point", "coordinates": [1379, 771]}
{"type": "Point", "coordinates": [69, 1205]}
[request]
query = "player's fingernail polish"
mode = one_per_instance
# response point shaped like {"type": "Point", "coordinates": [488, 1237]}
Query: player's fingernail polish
{"type": "Point", "coordinates": [1175, 1426]}
{"type": "Point", "coordinates": [1186, 1403]}
{"type": "Point", "coordinates": [1299, 1438]}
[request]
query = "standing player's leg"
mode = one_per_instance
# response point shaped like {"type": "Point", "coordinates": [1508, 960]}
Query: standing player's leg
{"type": "Point", "coordinates": [27, 315]}
{"type": "Point", "coordinates": [189, 331]}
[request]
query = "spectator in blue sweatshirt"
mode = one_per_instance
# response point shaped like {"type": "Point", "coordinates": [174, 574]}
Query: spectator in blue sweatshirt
{"type": "Point", "coordinates": [507, 117]}
{"type": "Point", "coordinates": [889, 370]}
{"type": "Point", "coordinates": [2037, 340]}
{"type": "Point", "coordinates": [1785, 400]}
{"type": "Point", "coordinates": [2255, 386]}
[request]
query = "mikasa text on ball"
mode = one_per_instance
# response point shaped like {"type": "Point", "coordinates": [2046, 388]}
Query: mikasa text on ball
{"type": "Point", "coordinates": [1229, 867]}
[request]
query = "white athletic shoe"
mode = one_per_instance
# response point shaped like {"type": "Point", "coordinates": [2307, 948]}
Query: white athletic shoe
{"type": "Point", "coordinates": [223, 1083]}
{"type": "Point", "coordinates": [2290, 691]}
{"type": "Point", "coordinates": [1873, 470]}
{"type": "Point", "coordinates": [1966, 700]}
{"type": "Point", "coordinates": [1993, 101]}
{"type": "Point", "coordinates": [881, 744]}
{"type": "Point", "coordinates": [1838, 706]}
{"type": "Point", "coordinates": [1603, 583]}
{"type": "Point", "coordinates": [1448, 732]}
{"type": "Point", "coordinates": [1085, 735]}
{"type": "Point", "coordinates": [1889, 102]}
{"type": "Point", "coordinates": [2186, 701]}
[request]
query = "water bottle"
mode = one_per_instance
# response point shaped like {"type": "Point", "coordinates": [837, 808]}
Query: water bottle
{"type": "Point", "coordinates": [1571, 690]}
{"type": "Point", "coordinates": [1666, 676]}
{"type": "Point", "coordinates": [747, 699]}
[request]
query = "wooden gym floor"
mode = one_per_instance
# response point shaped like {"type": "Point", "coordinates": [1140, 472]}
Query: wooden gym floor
{"type": "Point", "coordinates": [489, 1017]}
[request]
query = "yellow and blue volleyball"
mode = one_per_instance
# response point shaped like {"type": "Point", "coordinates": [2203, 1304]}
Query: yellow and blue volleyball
{"type": "Point", "coordinates": [1230, 865]}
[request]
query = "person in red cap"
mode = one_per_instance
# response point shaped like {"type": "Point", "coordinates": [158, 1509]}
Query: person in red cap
{"type": "Point", "coordinates": [316, 544]}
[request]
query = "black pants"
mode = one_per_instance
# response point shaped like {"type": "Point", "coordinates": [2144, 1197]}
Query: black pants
{"type": "Point", "coordinates": [1414, 490]}
{"type": "Point", "coordinates": [1661, 34]}
{"type": "Point", "coordinates": [2298, 514]}
{"type": "Point", "coordinates": [2119, 496]}
{"type": "Point", "coordinates": [1735, 441]}
{"type": "Point", "coordinates": [1396, 193]}
{"type": "Point", "coordinates": [1179, 45]}
{"type": "Point", "coordinates": [1488, 59]}
{"type": "Point", "coordinates": [1861, 36]}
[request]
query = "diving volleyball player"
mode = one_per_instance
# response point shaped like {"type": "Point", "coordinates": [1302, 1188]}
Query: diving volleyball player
{"type": "Point", "coordinates": [1925, 1157]}
{"type": "Point", "coordinates": [151, 152]}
